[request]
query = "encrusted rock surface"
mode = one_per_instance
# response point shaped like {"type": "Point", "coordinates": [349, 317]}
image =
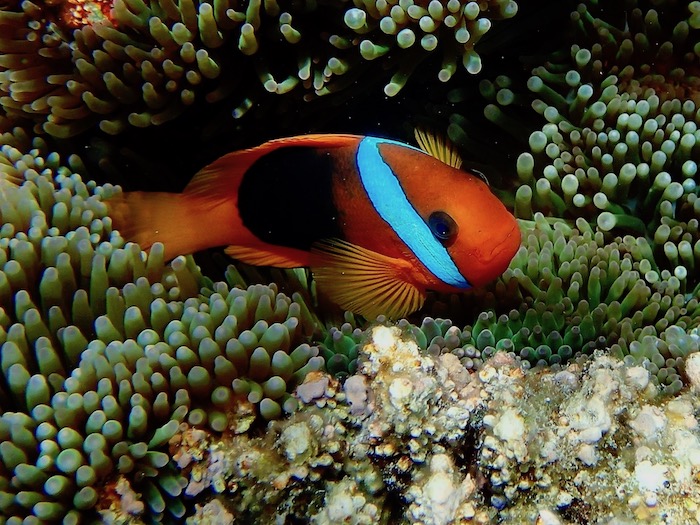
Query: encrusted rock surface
{"type": "Point", "coordinates": [413, 438]}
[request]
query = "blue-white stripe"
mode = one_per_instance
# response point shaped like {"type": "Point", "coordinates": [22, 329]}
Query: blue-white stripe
{"type": "Point", "coordinates": [388, 198]}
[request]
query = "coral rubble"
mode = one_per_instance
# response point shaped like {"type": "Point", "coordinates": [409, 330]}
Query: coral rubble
{"type": "Point", "coordinates": [584, 444]}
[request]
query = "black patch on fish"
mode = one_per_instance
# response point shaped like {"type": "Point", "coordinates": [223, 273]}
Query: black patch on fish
{"type": "Point", "coordinates": [286, 198]}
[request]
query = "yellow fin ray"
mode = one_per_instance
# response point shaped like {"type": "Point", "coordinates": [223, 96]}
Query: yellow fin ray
{"type": "Point", "coordinates": [438, 147]}
{"type": "Point", "coordinates": [364, 281]}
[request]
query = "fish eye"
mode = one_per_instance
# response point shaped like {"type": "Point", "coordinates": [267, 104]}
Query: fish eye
{"type": "Point", "coordinates": [443, 226]}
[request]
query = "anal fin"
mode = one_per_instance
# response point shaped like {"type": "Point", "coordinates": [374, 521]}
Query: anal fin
{"type": "Point", "coordinates": [288, 258]}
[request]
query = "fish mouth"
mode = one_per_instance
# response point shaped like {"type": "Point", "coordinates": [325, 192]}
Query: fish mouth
{"type": "Point", "coordinates": [511, 243]}
{"type": "Point", "coordinates": [492, 264]}
{"type": "Point", "coordinates": [506, 248]}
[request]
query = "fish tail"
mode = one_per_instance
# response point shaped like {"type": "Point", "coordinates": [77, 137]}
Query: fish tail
{"type": "Point", "coordinates": [149, 217]}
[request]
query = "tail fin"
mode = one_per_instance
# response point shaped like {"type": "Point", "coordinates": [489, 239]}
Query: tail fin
{"type": "Point", "coordinates": [146, 218]}
{"type": "Point", "coordinates": [180, 222]}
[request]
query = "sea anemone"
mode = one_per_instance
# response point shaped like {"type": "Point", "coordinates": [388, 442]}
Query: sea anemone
{"type": "Point", "coordinates": [567, 293]}
{"type": "Point", "coordinates": [69, 64]}
{"type": "Point", "coordinates": [105, 349]}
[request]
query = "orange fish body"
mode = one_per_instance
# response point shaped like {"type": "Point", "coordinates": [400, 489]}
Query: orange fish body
{"type": "Point", "coordinates": [378, 222]}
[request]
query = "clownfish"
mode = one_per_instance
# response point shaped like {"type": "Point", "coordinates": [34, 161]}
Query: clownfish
{"type": "Point", "coordinates": [378, 222]}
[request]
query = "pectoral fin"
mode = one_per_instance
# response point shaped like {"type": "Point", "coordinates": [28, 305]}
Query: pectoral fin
{"type": "Point", "coordinates": [364, 281]}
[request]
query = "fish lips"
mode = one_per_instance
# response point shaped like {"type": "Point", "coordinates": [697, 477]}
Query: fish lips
{"type": "Point", "coordinates": [488, 266]}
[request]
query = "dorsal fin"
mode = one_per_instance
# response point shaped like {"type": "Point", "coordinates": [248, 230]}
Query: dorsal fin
{"type": "Point", "coordinates": [232, 166]}
{"type": "Point", "coordinates": [438, 147]}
